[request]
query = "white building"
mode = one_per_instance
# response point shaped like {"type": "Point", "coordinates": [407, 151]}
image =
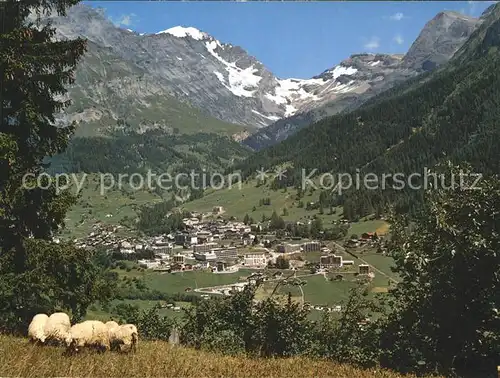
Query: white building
{"type": "Point", "coordinates": [364, 269]}
{"type": "Point", "coordinates": [163, 249]}
{"type": "Point", "coordinates": [255, 259]}
{"type": "Point", "coordinates": [178, 258]}
{"type": "Point", "coordinates": [204, 256]}
{"type": "Point", "coordinates": [150, 264]}
{"type": "Point", "coordinates": [207, 247]}
{"type": "Point", "coordinates": [311, 246]}
{"type": "Point", "coordinates": [331, 261]}
{"type": "Point", "coordinates": [225, 253]}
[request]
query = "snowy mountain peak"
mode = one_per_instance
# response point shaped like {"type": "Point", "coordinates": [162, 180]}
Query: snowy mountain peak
{"type": "Point", "coordinates": [225, 81]}
{"type": "Point", "coordinates": [182, 32]}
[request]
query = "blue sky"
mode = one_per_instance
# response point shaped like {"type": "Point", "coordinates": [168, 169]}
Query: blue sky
{"type": "Point", "coordinates": [293, 39]}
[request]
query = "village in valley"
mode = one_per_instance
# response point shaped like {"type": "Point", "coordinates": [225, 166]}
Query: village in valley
{"type": "Point", "coordinates": [216, 255]}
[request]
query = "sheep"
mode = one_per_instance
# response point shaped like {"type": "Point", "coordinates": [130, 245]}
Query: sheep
{"type": "Point", "coordinates": [112, 324]}
{"type": "Point", "coordinates": [93, 333]}
{"type": "Point", "coordinates": [36, 329]}
{"type": "Point", "coordinates": [57, 327]}
{"type": "Point", "coordinates": [125, 334]}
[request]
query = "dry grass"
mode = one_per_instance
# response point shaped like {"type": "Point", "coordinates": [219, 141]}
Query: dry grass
{"type": "Point", "coordinates": [382, 230]}
{"type": "Point", "coordinates": [159, 359]}
{"type": "Point", "coordinates": [379, 289]}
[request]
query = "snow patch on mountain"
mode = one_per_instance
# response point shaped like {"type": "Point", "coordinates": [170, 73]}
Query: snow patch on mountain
{"type": "Point", "coordinates": [292, 91]}
{"type": "Point", "coordinates": [182, 32]}
{"type": "Point", "coordinates": [220, 77]}
{"type": "Point", "coordinates": [341, 70]}
{"type": "Point", "coordinates": [287, 90]}
{"type": "Point", "coordinates": [272, 118]}
{"type": "Point", "coordinates": [241, 82]}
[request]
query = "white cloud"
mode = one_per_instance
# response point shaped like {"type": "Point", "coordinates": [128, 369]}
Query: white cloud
{"type": "Point", "coordinates": [397, 16]}
{"type": "Point", "coordinates": [373, 43]}
{"type": "Point", "coordinates": [398, 39]}
{"type": "Point", "coordinates": [124, 20]}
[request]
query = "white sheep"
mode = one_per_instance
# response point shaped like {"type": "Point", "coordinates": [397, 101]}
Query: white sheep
{"type": "Point", "coordinates": [57, 327]}
{"type": "Point", "coordinates": [36, 329]}
{"type": "Point", "coordinates": [92, 333]}
{"type": "Point", "coordinates": [112, 324]}
{"type": "Point", "coordinates": [126, 335]}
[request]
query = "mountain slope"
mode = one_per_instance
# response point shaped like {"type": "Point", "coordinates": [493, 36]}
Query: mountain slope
{"type": "Point", "coordinates": [157, 80]}
{"type": "Point", "coordinates": [451, 114]}
{"type": "Point", "coordinates": [151, 150]}
{"type": "Point", "coordinates": [189, 65]}
{"type": "Point", "coordinates": [112, 92]}
{"type": "Point", "coordinates": [371, 73]}
{"type": "Point", "coordinates": [437, 42]}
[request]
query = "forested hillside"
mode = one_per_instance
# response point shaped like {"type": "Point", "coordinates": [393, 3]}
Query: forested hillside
{"type": "Point", "coordinates": [153, 150]}
{"type": "Point", "coordinates": [449, 114]}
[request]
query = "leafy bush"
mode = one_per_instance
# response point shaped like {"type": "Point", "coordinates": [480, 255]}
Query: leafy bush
{"type": "Point", "coordinates": [445, 311]}
{"type": "Point", "coordinates": [56, 277]}
{"type": "Point", "coordinates": [348, 339]}
{"type": "Point", "coordinates": [266, 329]}
{"type": "Point", "coordinates": [227, 341]}
{"type": "Point", "coordinates": [151, 325]}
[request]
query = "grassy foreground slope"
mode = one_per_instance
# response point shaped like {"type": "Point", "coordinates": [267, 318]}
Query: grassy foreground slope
{"type": "Point", "coordinates": [159, 359]}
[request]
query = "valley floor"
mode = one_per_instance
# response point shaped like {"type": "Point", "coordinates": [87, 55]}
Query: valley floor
{"type": "Point", "coordinates": [159, 359]}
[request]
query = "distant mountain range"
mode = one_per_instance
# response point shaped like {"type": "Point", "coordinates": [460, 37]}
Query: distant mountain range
{"type": "Point", "coordinates": [185, 80]}
{"type": "Point", "coordinates": [449, 114]}
{"type": "Point", "coordinates": [438, 41]}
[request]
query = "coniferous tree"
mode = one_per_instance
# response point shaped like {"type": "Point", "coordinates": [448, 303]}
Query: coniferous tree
{"type": "Point", "coordinates": [276, 222]}
{"type": "Point", "coordinates": [35, 71]}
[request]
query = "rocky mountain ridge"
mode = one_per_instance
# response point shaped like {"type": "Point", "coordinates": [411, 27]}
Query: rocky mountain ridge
{"type": "Point", "coordinates": [189, 65]}
{"type": "Point", "coordinates": [437, 42]}
{"type": "Point", "coordinates": [150, 80]}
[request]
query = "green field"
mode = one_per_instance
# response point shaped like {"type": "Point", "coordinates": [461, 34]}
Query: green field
{"type": "Point", "coordinates": [244, 199]}
{"type": "Point", "coordinates": [239, 201]}
{"type": "Point", "coordinates": [117, 204]}
{"type": "Point", "coordinates": [92, 206]}
{"type": "Point", "coordinates": [97, 313]}
{"type": "Point", "coordinates": [178, 282]}
{"type": "Point", "coordinates": [381, 262]}
{"type": "Point", "coordinates": [318, 289]}
{"type": "Point", "coordinates": [363, 226]}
